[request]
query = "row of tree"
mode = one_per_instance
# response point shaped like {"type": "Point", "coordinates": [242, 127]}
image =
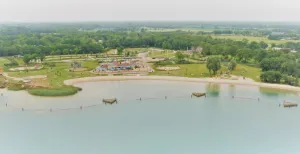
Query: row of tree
{"type": "Point", "coordinates": [35, 45]}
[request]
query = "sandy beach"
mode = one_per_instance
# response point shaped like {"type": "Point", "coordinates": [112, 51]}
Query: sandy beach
{"type": "Point", "coordinates": [181, 79]}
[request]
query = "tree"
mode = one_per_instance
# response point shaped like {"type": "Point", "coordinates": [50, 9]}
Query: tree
{"type": "Point", "coordinates": [27, 58]}
{"type": "Point", "coordinates": [42, 57]}
{"type": "Point", "coordinates": [179, 56]}
{"type": "Point", "coordinates": [213, 64]}
{"type": "Point", "coordinates": [288, 68]}
{"type": "Point", "coordinates": [263, 45]}
{"type": "Point", "coordinates": [120, 50]}
{"type": "Point", "coordinates": [65, 51]}
{"type": "Point", "coordinates": [271, 77]}
{"type": "Point", "coordinates": [231, 65]}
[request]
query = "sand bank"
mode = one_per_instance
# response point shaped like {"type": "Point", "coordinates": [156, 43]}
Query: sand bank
{"type": "Point", "coordinates": [181, 79]}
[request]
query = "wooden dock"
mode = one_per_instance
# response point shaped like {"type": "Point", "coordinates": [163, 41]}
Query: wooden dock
{"type": "Point", "coordinates": [198, 94]}
{"type": "Point", "coordinates": [289, 104]}
{"type": "Point", "coordinates": [110, 101]}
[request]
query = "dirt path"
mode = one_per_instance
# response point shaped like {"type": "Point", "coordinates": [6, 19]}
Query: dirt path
{"type": "Point", "coordinates": [24, 78]}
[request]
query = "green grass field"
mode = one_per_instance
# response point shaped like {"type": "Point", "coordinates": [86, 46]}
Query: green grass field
{"type": "Point", "coordinates": [249, 72]}
{"type": "Point", "coordinates": [3, 61]}
{"type": "Point", "coordinates": [252, 38]}
{"type": "Point", "coordinates": [161, 54]}
{"type": "Point", "coordinates": [200, 71]}
{"type": "Point", "coordinates": [179, 29]}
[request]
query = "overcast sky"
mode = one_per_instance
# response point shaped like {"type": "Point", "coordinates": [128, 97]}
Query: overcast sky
{"type": "Point", "coordinates": [124, 10]}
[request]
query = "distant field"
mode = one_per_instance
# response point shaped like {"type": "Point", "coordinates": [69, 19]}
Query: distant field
{"type": "Point", "coordinates": [177, 29]}
{"type": "Point", "coordinates": [252, 38]}
{"type": "Point", "coordinates": [161, 54]}
{"type": "Point", "coordinates": [200, 71]}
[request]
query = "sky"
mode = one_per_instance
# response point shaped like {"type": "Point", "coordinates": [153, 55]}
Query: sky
{"type": "Point", "coordinates": [148, 10]}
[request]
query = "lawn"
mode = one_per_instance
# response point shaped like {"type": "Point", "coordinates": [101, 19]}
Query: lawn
{"type": "Point", "coordinates": [161, 54]}
{"type": "Point", "coordinates": [3, 61]}
{"type": "Point", "coordinates": [249, 72]}
{"type": "Point", "coordinates": [200, 70]}
{"type": "Point", "coordinates": [186, 70]}
{"type": "Point", "coordinates": [253, 38]}
{"type": "Point", "coordinates": [179, 29]}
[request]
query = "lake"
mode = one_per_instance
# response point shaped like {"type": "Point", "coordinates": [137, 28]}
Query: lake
{"type": "Point", "coordinates": [165, 121]}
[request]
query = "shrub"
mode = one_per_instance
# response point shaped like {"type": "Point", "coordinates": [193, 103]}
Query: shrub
{"type": "Point", "coordinates": [61, 91]}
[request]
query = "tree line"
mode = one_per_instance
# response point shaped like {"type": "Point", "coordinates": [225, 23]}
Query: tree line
{"type": "Point", "coordinates": [61, 41]}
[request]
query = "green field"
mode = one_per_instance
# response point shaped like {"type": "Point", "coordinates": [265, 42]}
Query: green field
{"type": "Point", "coordinates": [252, 38]}
{"type": "Point", "coordinates": [249, 72]}
{"type": "Point", "coordinates": [200, 70]}
{"type": "Point", "coordinates": [179, 29]}
{"type": "Point", "coordinates": [3, 61]}
{"type": "Point", "coordinates": [161, 54]}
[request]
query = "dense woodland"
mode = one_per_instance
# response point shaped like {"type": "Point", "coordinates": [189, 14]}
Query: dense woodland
{"type": "Point", "coordinates": [277, 66]}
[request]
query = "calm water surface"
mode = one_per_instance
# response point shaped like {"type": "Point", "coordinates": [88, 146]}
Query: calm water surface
{"type": "Point", "coordinates": [179, 124]}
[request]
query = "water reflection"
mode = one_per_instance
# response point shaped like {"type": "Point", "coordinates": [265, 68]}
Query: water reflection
{"type": "Point", "coordinates": [270, 92]}
{"type": "Point", "coordinates": [213, 89]}
{"type": "Point", "coordinates": [231, 90]}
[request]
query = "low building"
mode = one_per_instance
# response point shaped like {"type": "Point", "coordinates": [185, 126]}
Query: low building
{"type": "Point", "coordinates": [116, 66]}
{"type": "Point", "coordinates": [195, 49]}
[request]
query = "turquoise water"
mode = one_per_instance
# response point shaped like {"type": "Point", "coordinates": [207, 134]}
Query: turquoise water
{"type": "Point", "coordinates": [179, 124]}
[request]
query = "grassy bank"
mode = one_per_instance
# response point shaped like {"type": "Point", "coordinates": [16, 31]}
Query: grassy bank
{"type": "Point", "coordinates": [62, 91]}
{"type": "Point", "coordinates": [200, 71]}
{"type": "Point", "coordinates": [253, 38]}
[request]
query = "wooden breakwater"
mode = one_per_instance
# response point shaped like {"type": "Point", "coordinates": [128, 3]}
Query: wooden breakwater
{"type": "Point", "coordinates": [110, 101]}
{"type": "Point", "coordinates": [198, 94]}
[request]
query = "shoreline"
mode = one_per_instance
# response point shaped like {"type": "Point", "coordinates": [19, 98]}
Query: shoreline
{"type": "Point", "coordinates": [181, 79]}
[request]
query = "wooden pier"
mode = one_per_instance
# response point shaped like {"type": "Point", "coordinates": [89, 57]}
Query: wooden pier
{"type": "Point", "coordinates": [110, 101]}
{"type": "Point", "coordinates": [198, 94]}
{"type": "Point", "coordinates": [289, 104]}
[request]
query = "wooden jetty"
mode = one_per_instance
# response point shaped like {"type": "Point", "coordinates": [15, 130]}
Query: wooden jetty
{"type": "Point", "coordinates": [199, 94]}
{"type": "Point", "coordinates": [289, 104]}
{"type": "Point", "coordinates": [110, 101]}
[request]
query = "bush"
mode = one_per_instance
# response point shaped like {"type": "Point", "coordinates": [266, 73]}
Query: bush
{"type": "Point", "coordinates": [290, 80]}
{"type": "Point", "coordinates": [12, 63]}
{"type": "Point", "coordinates": [163, 63]}
{"type": "Point", "coordinates": [62, 91]}
{"type": "Point", "coordinates": [49, 64]}
{"type": "Point", "coordinates": [183, 62]}
{"type": "Point", "coordinates": [271, 77]}
{"type": "Point", "coordinates": [16, 87]}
